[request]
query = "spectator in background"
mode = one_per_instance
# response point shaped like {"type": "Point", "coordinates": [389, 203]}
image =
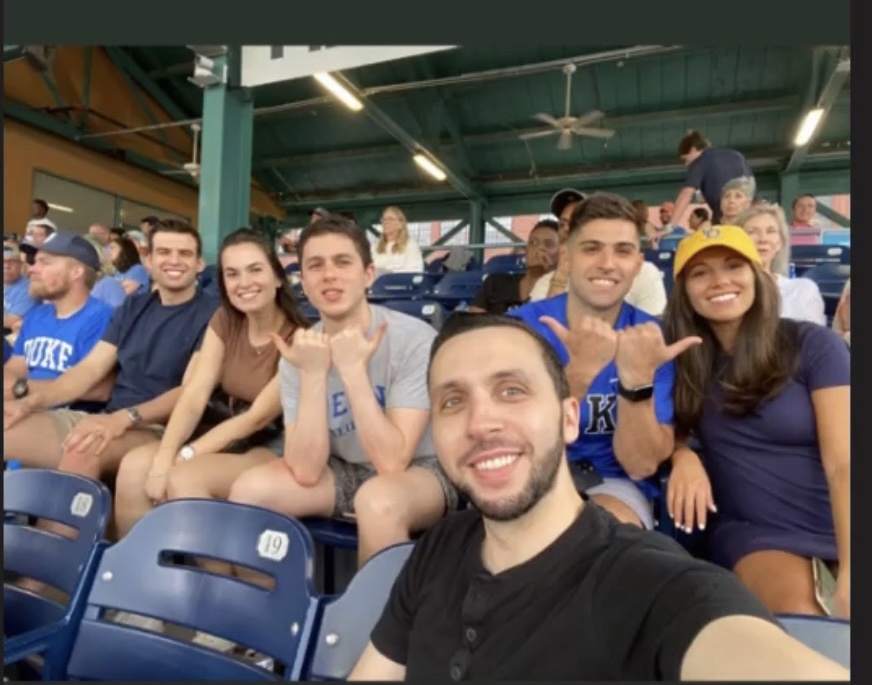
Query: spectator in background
{"type": "Point", "coordinates": [395, 252]}
{"type": "Point", "coordinates": [769, 400]}
{"type": "Point", "coordinates": [58, 334]}
{"type": "Point", "coordinates": [802, 228]}
{"type": "Point", "coordinates": [318, 213]}
{"type": "Point", "coordinates": [698, 217]}
{"type": "Point", "coordinates": [17, 300]}
{"type": "Point", "coordinates": [116, 232]}
{"type": "Point", "coordinates": [151, 341]}
{"type": "Point", "coordinates": [648, 291]}
{"type": "Point", "coordinates": [39, 216]}
{"type": "Point", "coordinates": [842, 320]}
{"type": "Point", "coordinates": [141, 241]}
{"type": "Point", "coordinates": [801, 298]}
{"type": "Point", "coordinates": [129, 270]}
{"type": "Point", "coordinates": [648, 228]}
{"type": "Point", "coordinates": [107, 289]}
{"type": "Point", "coordinates": [666, 210]}
{"type": "Point", "coordinates": [39, 233]}
{"type": "Point", "coordinates": [238, 357]}
{"type": "Point", "coordinates": [502, 292]}
{"type": "Point", "coordinates": [101, 233]}
{"type": "Point", "coordinates": [736, 197]}
{"type": "Point", "coordinates": [147, 224]}
{"type": "Point", "coordinates": [708, 170]}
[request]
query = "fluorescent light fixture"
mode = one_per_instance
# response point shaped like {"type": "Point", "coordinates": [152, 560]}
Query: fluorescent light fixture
{"type": "Point", "coordinates": [808, 127]}
{"type": "Point", "coordinates": [341, 92]}
{"type": "Point", "coordinates": [427, 165]}
{"type": "Point", "coordinates": [60, 208]}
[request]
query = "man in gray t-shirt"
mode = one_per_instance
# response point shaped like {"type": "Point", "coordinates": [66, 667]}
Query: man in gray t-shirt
{"type": "Point", "coordinates": [356, 405]}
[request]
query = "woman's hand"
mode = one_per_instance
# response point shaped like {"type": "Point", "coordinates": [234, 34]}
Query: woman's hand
{"type": "Point", "coordinates": [689, 498]}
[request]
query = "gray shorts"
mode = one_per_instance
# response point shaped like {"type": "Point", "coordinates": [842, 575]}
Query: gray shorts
{"type": "Point", "coordinates": [630, 494]}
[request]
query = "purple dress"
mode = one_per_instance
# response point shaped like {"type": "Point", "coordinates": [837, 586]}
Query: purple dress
{"type": "Point", "coordinates": [766, 471]}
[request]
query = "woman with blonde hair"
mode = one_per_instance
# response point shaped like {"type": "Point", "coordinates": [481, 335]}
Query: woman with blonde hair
{"type": "Point", "coordinates": [395, 252]}
{"type": "Point", "coordinates": [800, 297]}
{"type": "Point", "coordinates": [107, 289]}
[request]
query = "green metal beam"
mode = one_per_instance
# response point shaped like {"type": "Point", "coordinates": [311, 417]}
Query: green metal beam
{"type": "Point", "coordinates": [12, 52]}
{"type": "Point", "coordinates": [450, 233]}
{"type": "Point", "coordinates": [121, 56]}
{"type": "Point", "coordinates": [833, 215]}
{"type": "Point", "coordinates": [52, 86]}
{"type": "Point", "coordinates": [514, 237]}
{"type": "Point", "coordinates": [825, 101]}
{"type": "Point", "coordinates": [45, 122]}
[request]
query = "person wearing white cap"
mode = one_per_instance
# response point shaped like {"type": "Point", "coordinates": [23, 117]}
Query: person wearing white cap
{"type": "Point", "coordinates": [647, 293]}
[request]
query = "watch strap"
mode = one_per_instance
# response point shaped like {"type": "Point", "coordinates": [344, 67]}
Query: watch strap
{"type": "Point", "coordinates": [637, 394]}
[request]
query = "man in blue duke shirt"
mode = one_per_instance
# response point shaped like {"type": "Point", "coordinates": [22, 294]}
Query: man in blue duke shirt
{"type": "Point", "coordinates": [616, 359]}
{"type": "Point", "coordinates": [151, 342]}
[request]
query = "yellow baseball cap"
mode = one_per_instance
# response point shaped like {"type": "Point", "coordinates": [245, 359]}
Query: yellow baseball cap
{"type": "Point", "coordinates": [732, 237]}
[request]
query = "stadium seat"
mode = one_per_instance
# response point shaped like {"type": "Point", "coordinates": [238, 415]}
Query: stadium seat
{"type": "Point", "coordinates": [506, 264]}
{"type": "Point", "coordinates": [426, 310]}
{"type": "Point", "coordinates": [332, 534]}
{"type": "Point", "coordinates": [836, 236]}
{"type": "Point", "coordinates": [663, 260]}
{"type": "Point", "coordinates": [345, 622]}
{"type": "Point", "coordinates": [403, 286]}
{"type": "Point", "coordinates": [804, 257]}
{"type": "Point", "coordinates": [139, 575]}
{"type": "Point", "coordinates": [830, 279]}
{"type": "Point", "coordinates": [309, 311]}
{"type": "Point", "coordinates": [458, 288]}
{"type": "Point", "coordinates": [831, 637]}
{"type": "Point", "coordinates": [35, 624]}
{"type": "Point", "coordinates": [669, 243]}
{"type": "Point", "coordinates": [292, 268]}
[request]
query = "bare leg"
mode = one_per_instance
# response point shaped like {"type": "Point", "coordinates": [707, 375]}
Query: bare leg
{"type": "Point", "coordinates": [617, 508]}
{"type": "Point", "coordinates": [131, 502]}
{"type": "Point", "coordinates": [784, 582]}
{"type": "Point", "coordinates": [390, 508]}
{"type": "Point", "coordinates": [34, 442]}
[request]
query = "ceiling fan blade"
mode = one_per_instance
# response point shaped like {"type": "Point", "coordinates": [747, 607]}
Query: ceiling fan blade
{"type": "Point", "coordinates": [537, 134]}
{"type": "Point", "coordinates": [589, 118]}
{"type": "Point", "coordinates": [547, 119]}
{"type": "Point", "coordinates": [602, 133]}
{"type": "Point", "coordinates": [565, 140]}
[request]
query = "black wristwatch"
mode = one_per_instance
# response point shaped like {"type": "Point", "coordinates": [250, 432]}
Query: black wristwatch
{"type": "Point", "coordinates": [20, 389]}
{"type": "Point", "coordinates": [638, 394]}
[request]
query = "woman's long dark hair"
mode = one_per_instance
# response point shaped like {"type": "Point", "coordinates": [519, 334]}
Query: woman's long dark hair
{"type": "Point", "coordinates": [285, 299]}
{"type": "Point", "coordinates": [763, 361]}
{"type": "Point", "coordinates": [128, 255]}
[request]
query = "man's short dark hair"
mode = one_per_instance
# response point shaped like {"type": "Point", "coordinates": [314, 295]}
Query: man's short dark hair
{"type": "Point", "coordinates": [799, 197]}
{"type": "Point", "coordinates": [604, 206]}
{"type": "Point", "coordinates": [175, 226]}
{"type": "Point", "coordinates": [692, 140]}
{"type": "Point", "coordinates": [336, 225]}
{"type": "Point", "coordinates": [546, 223]}
{"type": "Point", "coordinates": [43, 205]}
{"type": "Point", "coordinates": [464, 322]}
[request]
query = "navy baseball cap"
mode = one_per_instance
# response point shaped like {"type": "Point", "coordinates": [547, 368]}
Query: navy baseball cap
{"type": "Point", "coordinates": [564, 197]}
{"type": "Point", "coordinates": [73, 246]}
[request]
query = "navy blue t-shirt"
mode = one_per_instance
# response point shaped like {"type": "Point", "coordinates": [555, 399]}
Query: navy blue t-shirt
{"type": "Point", "coordinates": [155, 342]}
{"type": "Point", "coordinates": [599, 408]}
{"type": "Point", "coordinates": [711, 171]}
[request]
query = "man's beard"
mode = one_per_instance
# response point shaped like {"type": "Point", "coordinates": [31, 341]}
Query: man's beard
{"type": "Point", "coordinates": [543, 473]}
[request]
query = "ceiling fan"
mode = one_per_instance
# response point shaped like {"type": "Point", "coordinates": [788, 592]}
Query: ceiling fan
{"type": "Point", "coordinates": [191, 168]}
{"type": "Point", "coordinates": [567, 126]}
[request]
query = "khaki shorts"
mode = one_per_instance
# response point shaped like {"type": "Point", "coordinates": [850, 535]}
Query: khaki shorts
{"type": "Point", "coordinates": [67, 419]}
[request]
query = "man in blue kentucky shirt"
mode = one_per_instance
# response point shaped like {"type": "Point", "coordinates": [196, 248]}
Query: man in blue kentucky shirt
{"type": "Point", "coordinates": [616, 359]}
{"type": "Point", "coordinates": [57, 335]}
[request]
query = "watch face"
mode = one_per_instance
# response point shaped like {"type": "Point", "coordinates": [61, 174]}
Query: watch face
{"type": "Point", "coordinates": [19, 389]}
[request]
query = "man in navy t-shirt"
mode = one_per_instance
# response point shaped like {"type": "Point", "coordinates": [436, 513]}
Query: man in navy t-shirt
{"type": "Point", "coordinates": [151, 341]}
{"type": "Point", "coordinates": [708, 169]}
{"type": "Point", "coordinates": [58, 334]}
{"type": "Point", "coordinates": [617, 362]}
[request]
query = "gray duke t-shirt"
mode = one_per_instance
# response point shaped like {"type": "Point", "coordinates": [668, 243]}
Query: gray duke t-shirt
{"type": "Point", "coordinates": [397, 371]}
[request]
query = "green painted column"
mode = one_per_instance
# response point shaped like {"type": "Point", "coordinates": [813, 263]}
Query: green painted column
{"type": "Point", "coordinates": [225, 164]}
{"type": "Point", "coordinates": [788, 189]}
{"type": "Point", "coordinates": [476, 228]}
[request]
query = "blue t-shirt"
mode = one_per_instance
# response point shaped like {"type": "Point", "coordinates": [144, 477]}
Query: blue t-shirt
{"type": "Point", "coordinates": [137, 273]}
{"type": "Point", "coordinates": [765, 468]}
{"type": "Point", "coordinates": [154, 344]}
{"type": "Point", "coordinates": [16, 299]}
{"type": "Point", "coordinates": [51, 345]}
{"type": "Point", "coordinates": [599, 407]}
{"type": "Point", "coordinates": [110, 291]}
{"type": "Point", "coordinates": [711, 171]}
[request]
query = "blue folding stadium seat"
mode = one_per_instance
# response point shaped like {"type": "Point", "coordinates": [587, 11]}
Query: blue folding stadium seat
{"type": "Point", "coordinates": [140, 575]}
{"type": "Point", "coordinates": [292, 268]}
{"type": "Point", "coordinates": [506, 264]}
{"type": "Point", "coordinates": [828, 636]}
{"type": "Point", "coordinates": [804, 257]}
{"type": "Point", "coordinates": [35, 624]}
{"type": "Point", "coordinates": [663, 260]}
{"type": "Point", "coordinates": [669, 243]}
{"type": "Point", "coordinates": [403, 286]}
{"type": "Point", "coordinates": [458, 288]}
{"type": "Point", "coordinates": [427, 310]}
{"type": "Point", "coordinates": [836, 236]}
{"type": "Point", "coordinates": [345, 622]}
